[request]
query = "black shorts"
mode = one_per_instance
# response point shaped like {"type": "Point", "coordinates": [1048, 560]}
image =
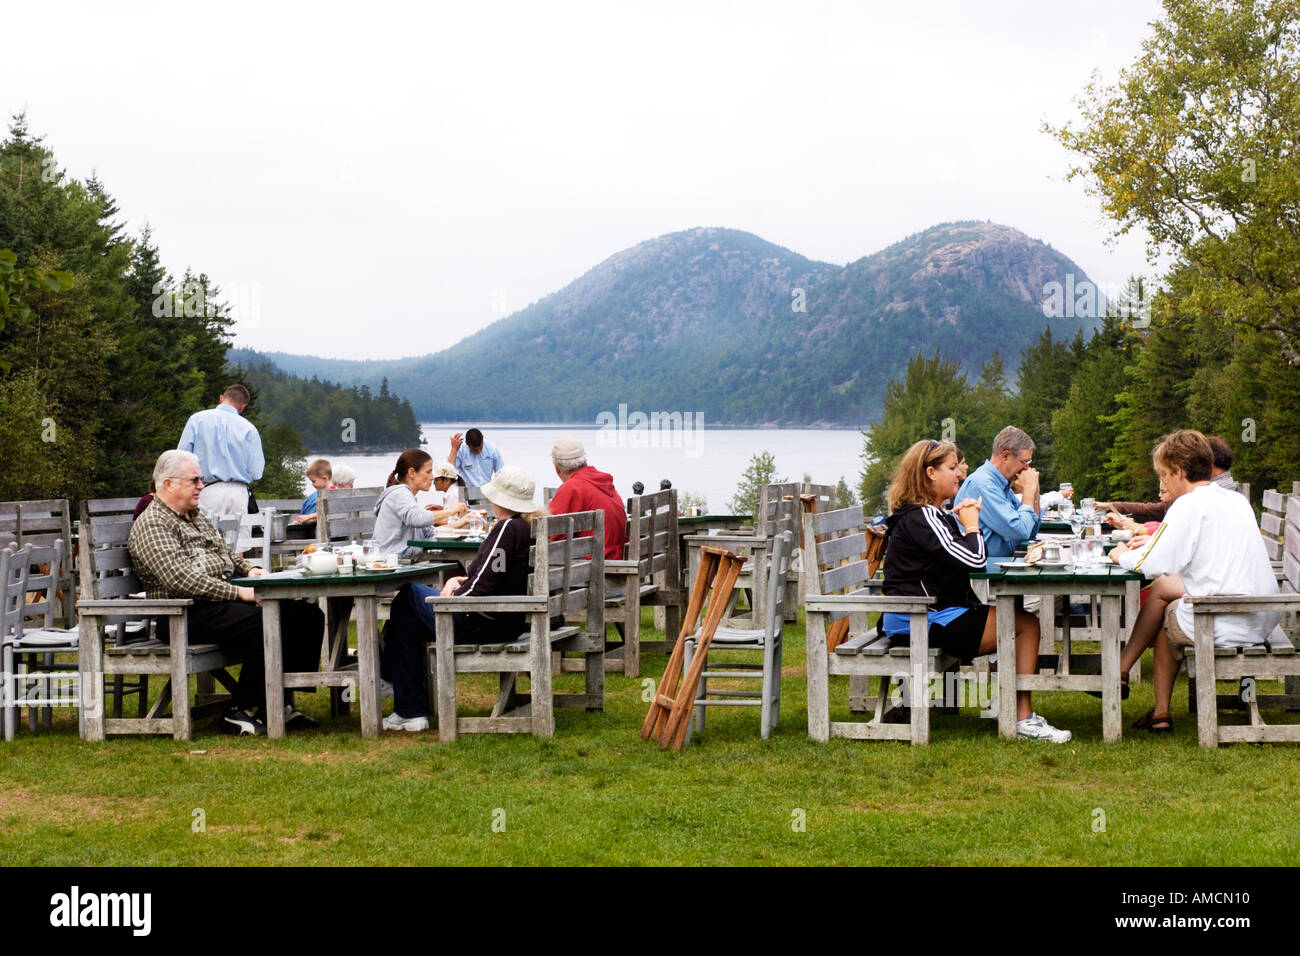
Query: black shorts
{"type": "Point", "coordinates": [960, 638]}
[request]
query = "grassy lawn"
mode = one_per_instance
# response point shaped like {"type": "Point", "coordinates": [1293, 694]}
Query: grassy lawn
{"type": "Point", "coordinates": [597, 794]}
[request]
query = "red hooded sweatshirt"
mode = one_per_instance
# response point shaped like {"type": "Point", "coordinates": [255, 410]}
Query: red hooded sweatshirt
{"type": "Point", "coordinates": [590, 490]}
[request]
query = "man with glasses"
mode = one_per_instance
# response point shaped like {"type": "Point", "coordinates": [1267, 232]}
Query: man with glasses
{"type": "Point", "coordinates": [1008, 487]}
{"type": "Point", "coordinates": [177, 553]}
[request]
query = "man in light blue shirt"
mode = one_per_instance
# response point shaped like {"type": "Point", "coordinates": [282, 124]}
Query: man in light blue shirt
{"type": "Point", "coordinates": [1009, 489]}
{"type": "Point", "coordinates": [476, 460]}
{"type": "Point", "coordinates": [229, 450]}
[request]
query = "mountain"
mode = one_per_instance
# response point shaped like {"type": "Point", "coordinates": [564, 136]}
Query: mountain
{"type": "Point", "coordinates": [722, 322]}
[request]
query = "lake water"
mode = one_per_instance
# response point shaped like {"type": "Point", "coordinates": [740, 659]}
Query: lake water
{"type": "Point", "coordinates": [705, 461]}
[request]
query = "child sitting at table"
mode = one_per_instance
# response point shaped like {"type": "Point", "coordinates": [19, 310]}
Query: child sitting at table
{"type": "Point", "coordinates": [319, 474]}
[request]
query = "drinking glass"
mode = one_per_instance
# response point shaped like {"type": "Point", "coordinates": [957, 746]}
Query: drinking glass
{"type": "Point", "coordinates": [1066, 508]}
{"type": "Point", "coordinates": [1088, 505]}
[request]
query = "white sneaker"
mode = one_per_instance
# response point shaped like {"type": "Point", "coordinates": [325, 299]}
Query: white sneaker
{"type": "Point", "coordinates": [395, 721]}
{"type": "Point", "coordinates": [1035, 727]}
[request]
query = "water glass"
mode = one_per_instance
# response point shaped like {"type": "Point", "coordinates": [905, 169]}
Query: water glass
{"type": "Point", "coordinates": [1066, 508]}
{"type": "Point", "coordinates": [1088, 505]}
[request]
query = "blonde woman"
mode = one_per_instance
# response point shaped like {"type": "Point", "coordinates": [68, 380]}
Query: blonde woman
{"type": "Point", "coordinates": [931, 552]}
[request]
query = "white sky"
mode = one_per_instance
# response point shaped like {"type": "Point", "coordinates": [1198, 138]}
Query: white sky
{"type": "Point", "coordinates": [374, 180]}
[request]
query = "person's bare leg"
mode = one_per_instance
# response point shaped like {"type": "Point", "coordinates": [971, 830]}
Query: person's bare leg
{"type": "Point", "coordinates": [1026, 651]}
{"type": "Point", "coordinates": [1150, 620]}
{"type": "Point", "coordinates": [1165, 671]}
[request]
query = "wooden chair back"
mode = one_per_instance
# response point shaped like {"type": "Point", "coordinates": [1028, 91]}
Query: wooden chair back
{"type": "Point", "coordinates": [1272, 520]}
{"type": "Point", "coordinates": [652, 537]}
{"type": "Point", "coordinates": [14, 567]}
{"type": "Point", "coordinates": [343, 514]}
{"type": "Point", "coordinates": [48, 559]}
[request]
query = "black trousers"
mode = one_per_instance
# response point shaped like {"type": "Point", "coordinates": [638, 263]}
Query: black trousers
{"type": "Point", "coordinates": [237, 627]}
{"type": "Point", "coordinates": [407, 637]}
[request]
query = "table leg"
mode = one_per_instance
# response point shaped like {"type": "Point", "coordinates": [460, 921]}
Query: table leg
{"type": "Point", "coordinates": [274, 666]}
{"type": "Point", "coordinates": [338, 611]}
{"type": "Point", "coordinates": [1111, 605]}
{"type": "Point", "coordinates": [1006, 607]}
{"type": "Point", "coordinates": [368, 664]}
{"type": "Point", "coordinates": [1132, 604]}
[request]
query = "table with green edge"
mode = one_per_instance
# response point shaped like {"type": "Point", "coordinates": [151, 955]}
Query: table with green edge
{"type": "Point", "coordinates": [340, 591]}
{"type": "Point", "coordinates": [447, 549]}
{"type": "Point", "coordinates": [1110, 584]}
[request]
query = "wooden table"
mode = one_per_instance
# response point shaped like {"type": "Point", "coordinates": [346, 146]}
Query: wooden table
{"type": "Point", "coordinates": [1110, 583]}
{"type": "Point", "coordinates": [447, 549]}
{"type": "Point", "coordinates": [340, 591]}
{"type": "Point", "coordinates": [693, 532]}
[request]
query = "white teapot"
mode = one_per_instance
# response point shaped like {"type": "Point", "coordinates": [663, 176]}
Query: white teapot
{"type": "Point", "coordinates": [320, 562]}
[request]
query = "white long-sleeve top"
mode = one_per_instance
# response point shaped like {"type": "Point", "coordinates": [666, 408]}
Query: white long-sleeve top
{"type": "Point", "coordinates": [1210, 538]}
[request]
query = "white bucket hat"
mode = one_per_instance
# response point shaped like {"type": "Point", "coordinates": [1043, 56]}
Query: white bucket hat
{"type": "Point", "coordinates": [444, 469]}
{"type": "Point", "coordinates": [511, 488]}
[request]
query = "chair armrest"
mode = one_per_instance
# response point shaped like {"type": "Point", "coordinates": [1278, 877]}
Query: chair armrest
{"type": "Point", "coordinates": [516, 603]}
{"type": "Point", "coordinates": [896, 604]}
{"type": "Point", "coordinates": [621, 567]}
{"type": "Point", "coordinates": [122, 607]}
{"type": "Point", "coordinates": [1242, 603]}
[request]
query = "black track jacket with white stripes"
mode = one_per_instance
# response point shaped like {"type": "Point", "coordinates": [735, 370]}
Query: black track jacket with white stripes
{"type": "Point", "coordinates": [927, 554]}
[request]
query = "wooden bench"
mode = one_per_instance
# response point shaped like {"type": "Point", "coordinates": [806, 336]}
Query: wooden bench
{"type": "Point", "coordinates": [834, 544]}
{"type": "Point", "coordinates": [572, 583]}
{"type": "Point", "coordinates": [1275, 659]}
{"type": "Point", "coordinates": [109, 596]}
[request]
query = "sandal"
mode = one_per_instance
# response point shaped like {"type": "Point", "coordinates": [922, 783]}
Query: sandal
{"type": "Point", "coordinates": [1150, 719]}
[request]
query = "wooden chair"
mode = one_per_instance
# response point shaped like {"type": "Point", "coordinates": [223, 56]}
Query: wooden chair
{"type": "Point", "coordinates": [41, 523]}
{"type": "Point", "coordinates": [766, 640]}
{"type": "Point", "coordinates": [568, 578]}
{"type": "Point", "coordinates": [1275, 660]}
{"type": "Point", "coordinates": [110, 595]}
{"type": "Point", "coordinates": [14, 567]}
{"type": "Point", "coordinates": [837, 542]}
{"type": "Point", "coordinates": [649, 577]}
{"type": "Point", "coordinates": [44, 683]}
{"type": "Point", "coordinates": [343, 514]}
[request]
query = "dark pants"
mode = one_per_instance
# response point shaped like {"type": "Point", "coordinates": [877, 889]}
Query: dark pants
{"type": "Point", "coordinates": [410, 631]}
{"type": "Point", "coordinates": [237, 627]}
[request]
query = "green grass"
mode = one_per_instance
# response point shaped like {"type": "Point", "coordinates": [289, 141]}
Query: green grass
{"type": "Point", "coordinates": [597, 794]}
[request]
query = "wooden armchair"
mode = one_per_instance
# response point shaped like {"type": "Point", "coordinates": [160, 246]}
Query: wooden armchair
{"type": "Point", "coordinates": [568, 579]}
{"type": "Point", "coordinates": [649, 577]}
{"type": "Point", "coordinates": [840, 588]}
{"type": "Point", "coordinates": [109, 589]}
{"type": "Point", "coordinates": [1276, 659]}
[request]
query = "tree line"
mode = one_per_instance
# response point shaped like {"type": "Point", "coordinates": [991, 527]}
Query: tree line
{"type": "Point", "coordinates": [1195, 145]}
{"type": "Point", "coordinates": [104, 354]}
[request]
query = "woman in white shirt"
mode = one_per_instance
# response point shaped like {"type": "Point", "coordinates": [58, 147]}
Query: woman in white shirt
{"type": "Point", "coordinates": [1210, 540]}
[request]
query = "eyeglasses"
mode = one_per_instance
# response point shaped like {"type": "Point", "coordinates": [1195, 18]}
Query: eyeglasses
{"type": "Point", "coordinates": [1024, 462]}
{"type": "Point", "coordinates": [933, 445]}
{"type": "Point", "coordinates": [196, 480]}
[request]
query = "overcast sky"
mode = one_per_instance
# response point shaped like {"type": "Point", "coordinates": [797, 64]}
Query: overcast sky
{"type": "Point", "coordinates": [373, 180]}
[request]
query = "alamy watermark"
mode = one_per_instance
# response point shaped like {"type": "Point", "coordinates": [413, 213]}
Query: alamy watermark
{"type": "Point", "coordinates": [1086, 299]}
{"type": "Point", "coordinates": [653, 430]}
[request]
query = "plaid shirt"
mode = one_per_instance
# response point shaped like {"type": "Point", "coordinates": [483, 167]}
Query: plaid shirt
{"type": "Point", "coordinates": [182, 556]}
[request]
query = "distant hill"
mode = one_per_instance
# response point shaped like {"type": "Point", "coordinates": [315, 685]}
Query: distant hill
{"type": "Point", "coordinates": [328, 417]}
{"type": "Point", "coordinates": [723, 322]}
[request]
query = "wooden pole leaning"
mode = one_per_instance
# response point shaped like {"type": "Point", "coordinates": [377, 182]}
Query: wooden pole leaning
{"type": "Point", "coordinates": [667, 719]}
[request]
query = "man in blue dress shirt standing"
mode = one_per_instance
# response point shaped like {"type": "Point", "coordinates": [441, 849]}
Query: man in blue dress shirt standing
{"type": "Point", "coordinates": [229, 451]}
{"type": "Point", "coordinates": [1008, 486]}
{"type": "Point", "coordinates": [475, 458]}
